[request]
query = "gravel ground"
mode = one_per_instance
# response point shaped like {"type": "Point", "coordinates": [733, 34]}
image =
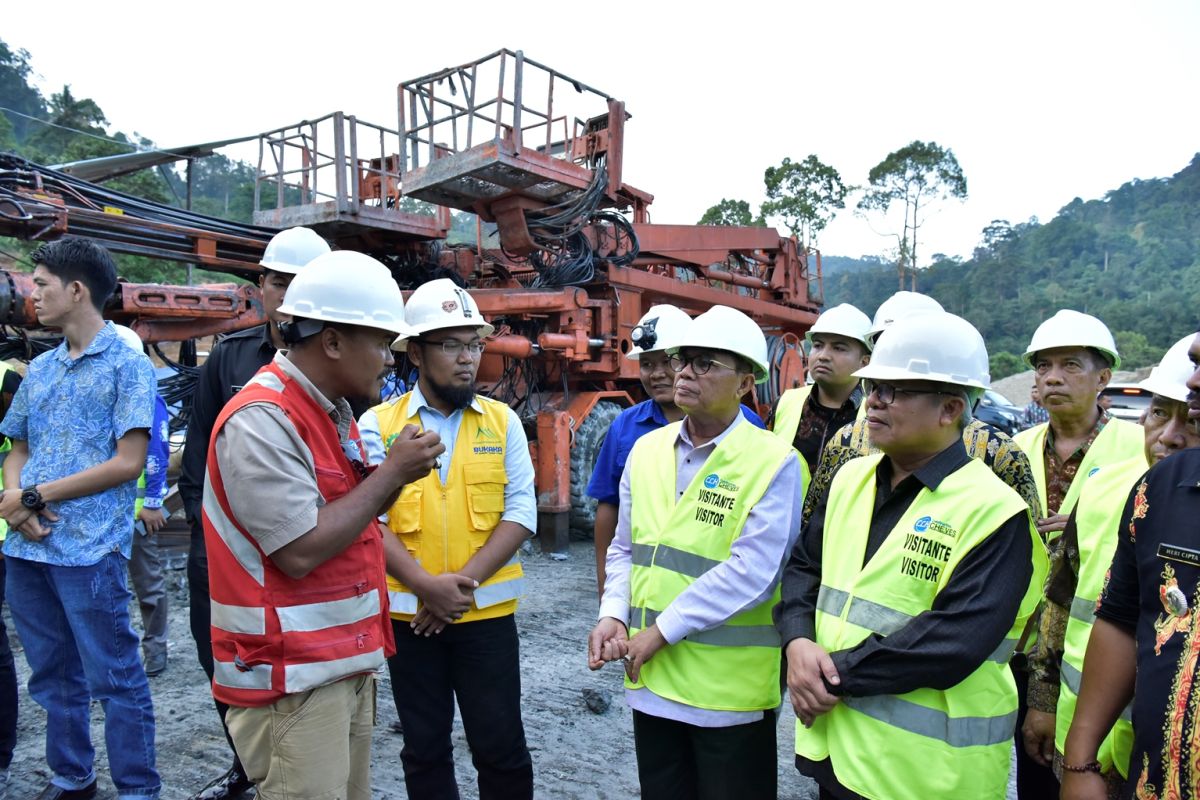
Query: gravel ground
{"type": "Point", "coordinates": [576, 753]}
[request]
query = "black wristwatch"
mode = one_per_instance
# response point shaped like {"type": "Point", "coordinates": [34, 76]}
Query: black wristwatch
{"type": "Point", "coordinates": [31, 498]}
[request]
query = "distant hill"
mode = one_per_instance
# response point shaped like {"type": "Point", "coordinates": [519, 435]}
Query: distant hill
{"type": "Point", "coordinates": [1131, 258]}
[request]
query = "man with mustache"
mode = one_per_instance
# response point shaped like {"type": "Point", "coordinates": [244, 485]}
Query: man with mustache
{"type": "Point", "coordinates": [1146, 636]}
{"type": "Point", "coordinates": [454, 616]}
{"type": "Point", "coordinates": [231, 364]}
{"type": "Point", "coordinates": [1073, 356]}
{"type": "Point", "coordinates": [297, 579]}
{"type": "Point", "coordinates": [1077, 574]}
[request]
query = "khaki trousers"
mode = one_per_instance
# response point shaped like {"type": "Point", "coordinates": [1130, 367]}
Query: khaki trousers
{"type": "Point", "coordinates": [315, 745]}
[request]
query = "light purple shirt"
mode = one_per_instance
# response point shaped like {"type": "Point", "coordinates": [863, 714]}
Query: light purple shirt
{"type": "Point", "coordinates": [747, 578]}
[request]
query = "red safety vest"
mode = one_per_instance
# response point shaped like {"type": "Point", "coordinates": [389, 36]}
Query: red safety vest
{"type": "Point", "coordinates": [273, 635]}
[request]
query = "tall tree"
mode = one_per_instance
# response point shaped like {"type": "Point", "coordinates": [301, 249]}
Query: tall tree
{"type": "Point", "coordinates": [16, 93]}
{"type": "Point", "coordinates": [805, 195]}
{"type": "Point", "coordinates": [730, 212]}
{"type": "Point", "coordinates": [916, 175]}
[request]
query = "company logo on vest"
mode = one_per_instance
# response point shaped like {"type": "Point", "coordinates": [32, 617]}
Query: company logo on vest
{"type": "Point", "coordinates": [714, 481]}
{"type": "Point", "coordinates": [928, 523]}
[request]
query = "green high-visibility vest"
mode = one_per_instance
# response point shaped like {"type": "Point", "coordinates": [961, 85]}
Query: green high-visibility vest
{"type": "Point", "coordinates": [1097, 519]}
{"type": "Point", "coordinates": [791, 407]}
{"type": "Point", "coordinates": [735, 666]}
{"type": "Point", "coordinates": [141, 495]}
{"type": "Point", "coordinates": [927, 743]}
{"type": "Point", "coordinates": [1119, 441]}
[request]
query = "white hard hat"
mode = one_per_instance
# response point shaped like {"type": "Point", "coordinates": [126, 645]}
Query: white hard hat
{"type": "Point", "coordinates": [441, 304]}
{"type": "Point", "coordinates": [658, 329]}
{"type": "Point", "coordinates": [843, 320]}
{"type": "Point", "coordinates": [292, 249]}
{"type": "Point", "coordinates": [129, 337]}
{"type": "Point", "coordinates": [725, 328]}
{"type": "Point", "coordinates": [935, 346]}
{"type": "Point", "coordinates": [1070, 328]}
{"type": "Point", "coordinates": [901, 305]}
{"type": "Point", "coordinates": [347, 287]}
{"type": "Point", "coordinates": [1169, 378]}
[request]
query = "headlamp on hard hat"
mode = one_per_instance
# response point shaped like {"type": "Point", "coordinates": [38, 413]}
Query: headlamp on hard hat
{"type": "Point", "coordinates": [643, 335]}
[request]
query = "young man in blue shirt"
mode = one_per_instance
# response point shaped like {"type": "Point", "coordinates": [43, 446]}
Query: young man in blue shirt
{"type": "Point", "coordinates": [79, 427]}
{"type": "Point", "coordinates": [659, 328]}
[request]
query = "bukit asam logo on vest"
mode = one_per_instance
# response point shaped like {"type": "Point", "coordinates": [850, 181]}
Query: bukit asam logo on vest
{"type": "Point", "coordinates": [483, 434]}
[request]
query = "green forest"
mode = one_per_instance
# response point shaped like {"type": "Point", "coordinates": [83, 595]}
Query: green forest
{"type": "Point", "coordinates": [1130, 257]}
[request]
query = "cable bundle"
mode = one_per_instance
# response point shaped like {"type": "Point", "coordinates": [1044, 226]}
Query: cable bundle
{"type": "Point", "coordinates": [565, 256]}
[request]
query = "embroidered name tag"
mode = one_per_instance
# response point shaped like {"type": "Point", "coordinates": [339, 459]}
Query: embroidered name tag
{"type": "Point", "coordinates": [1184, 555]}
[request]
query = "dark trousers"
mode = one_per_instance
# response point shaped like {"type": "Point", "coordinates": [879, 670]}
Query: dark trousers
{"type": "Point", "coordinates": [677, 761]}
{"type": "Point", "coordinates": [1034, 782]}
{"type": "Point", "coordinates": [8, 688]}
{"type": "Point", "coordinates": [200, 617]}
{"type": "Point", "coordinates": [478, 663]}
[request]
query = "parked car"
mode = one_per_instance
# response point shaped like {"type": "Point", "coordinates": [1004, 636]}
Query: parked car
{"type": "Point", "coordinates": [1126, 400]}
{"type": "Point", "coordinates": [995, 409]}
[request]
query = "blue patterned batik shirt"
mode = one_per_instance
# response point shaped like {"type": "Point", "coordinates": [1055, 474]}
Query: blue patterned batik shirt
{"type": "Point", "coordinates": [72, 412]}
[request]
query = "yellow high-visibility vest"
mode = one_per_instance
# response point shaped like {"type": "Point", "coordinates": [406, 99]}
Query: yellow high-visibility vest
{"type": "Point", "coordinates": [791, 408]}
{"type": "Point", "coordinates": [1119, 441]}
{"type": "Point", "coordinates": [1097, 519]}
{"type": "Point", "coordinates": [444, 525]}
{"type": "Point", "coordinates": [735, 666]}
{"type": "Point", "coordinates": [927, 743]}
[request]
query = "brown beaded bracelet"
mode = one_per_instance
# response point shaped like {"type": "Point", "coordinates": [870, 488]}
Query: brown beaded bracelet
{"type": "Point", "coordinates": [1091, 766]}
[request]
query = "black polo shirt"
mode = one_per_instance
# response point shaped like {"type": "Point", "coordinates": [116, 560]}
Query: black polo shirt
{"type": "Point", "coordinates": [1153, 591]}
{"type": "Point", "coordinates": [233, 362]}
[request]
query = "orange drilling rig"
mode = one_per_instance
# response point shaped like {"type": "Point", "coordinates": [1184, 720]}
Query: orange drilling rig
{"type": "Point", "coordinates": [564, 260]}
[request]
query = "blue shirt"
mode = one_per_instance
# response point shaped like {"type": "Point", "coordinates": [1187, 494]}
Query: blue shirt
{"type": "Point", "coordinates": [157, 455]}
{"type": "Point", "coordinates": [71, 412]}
{"type": "Point", "coordinates": [627, 428]}
{"type": "Point", "coordinates": [520, 502]}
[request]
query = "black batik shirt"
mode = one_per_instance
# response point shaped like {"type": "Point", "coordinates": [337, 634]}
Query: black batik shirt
{"type": "Point", "coordinates": [1153, 590]}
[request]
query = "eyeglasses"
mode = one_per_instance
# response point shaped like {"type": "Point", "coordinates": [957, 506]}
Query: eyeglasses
{"type": "Point", "coordinates": [700, 364]}
{"type": "Point", "coordinates": [453, 347]}
{"type": "Point", "coordinates": [886, 392]}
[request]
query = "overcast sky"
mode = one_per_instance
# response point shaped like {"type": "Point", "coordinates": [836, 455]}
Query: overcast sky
{"type": "Point", "coordinates": [1040, 101]}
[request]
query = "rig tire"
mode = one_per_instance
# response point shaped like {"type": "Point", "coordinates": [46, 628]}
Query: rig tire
{"type": "Point", "coordinates": [586, 447]}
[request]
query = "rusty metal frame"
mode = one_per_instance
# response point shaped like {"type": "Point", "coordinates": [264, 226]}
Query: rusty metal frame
{"type": "Point", "coordinates": [423, 112]}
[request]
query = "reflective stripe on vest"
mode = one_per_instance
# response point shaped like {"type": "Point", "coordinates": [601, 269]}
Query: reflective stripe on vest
{"type": "Point", "coordinates": [895, 711]}
{"type": "Point", "coordinates": [958, 741]}
{"type": "Point", "coordinates": [297, 677]}
{"type": "Point", "coordinates": [273, 635]}
{"type": "Point", "coordinates": [1119, 441]}
{"type": "Point", "coordinates": [883, 620]}
{"type": "Point", "coordinates": [141, 495]}
{"type": "Point", "coordinates": [1083, 609]}
{"type": "Point", "coordinates": [720, 636]}
{"type": "Point", "coordinates": [734, 666]}
{"type": "Point", "coordinates": [462, 513]}
{"type": "Point", "coordinates": [1102, 496]}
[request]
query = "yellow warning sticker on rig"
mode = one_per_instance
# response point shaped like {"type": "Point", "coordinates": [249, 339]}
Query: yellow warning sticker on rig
{"type": "Point", "coordinates": [120, 212]}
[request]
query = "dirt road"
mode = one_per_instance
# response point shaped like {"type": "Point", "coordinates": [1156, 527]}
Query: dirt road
{"type": "Point", "coordinates": [576, 753]}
